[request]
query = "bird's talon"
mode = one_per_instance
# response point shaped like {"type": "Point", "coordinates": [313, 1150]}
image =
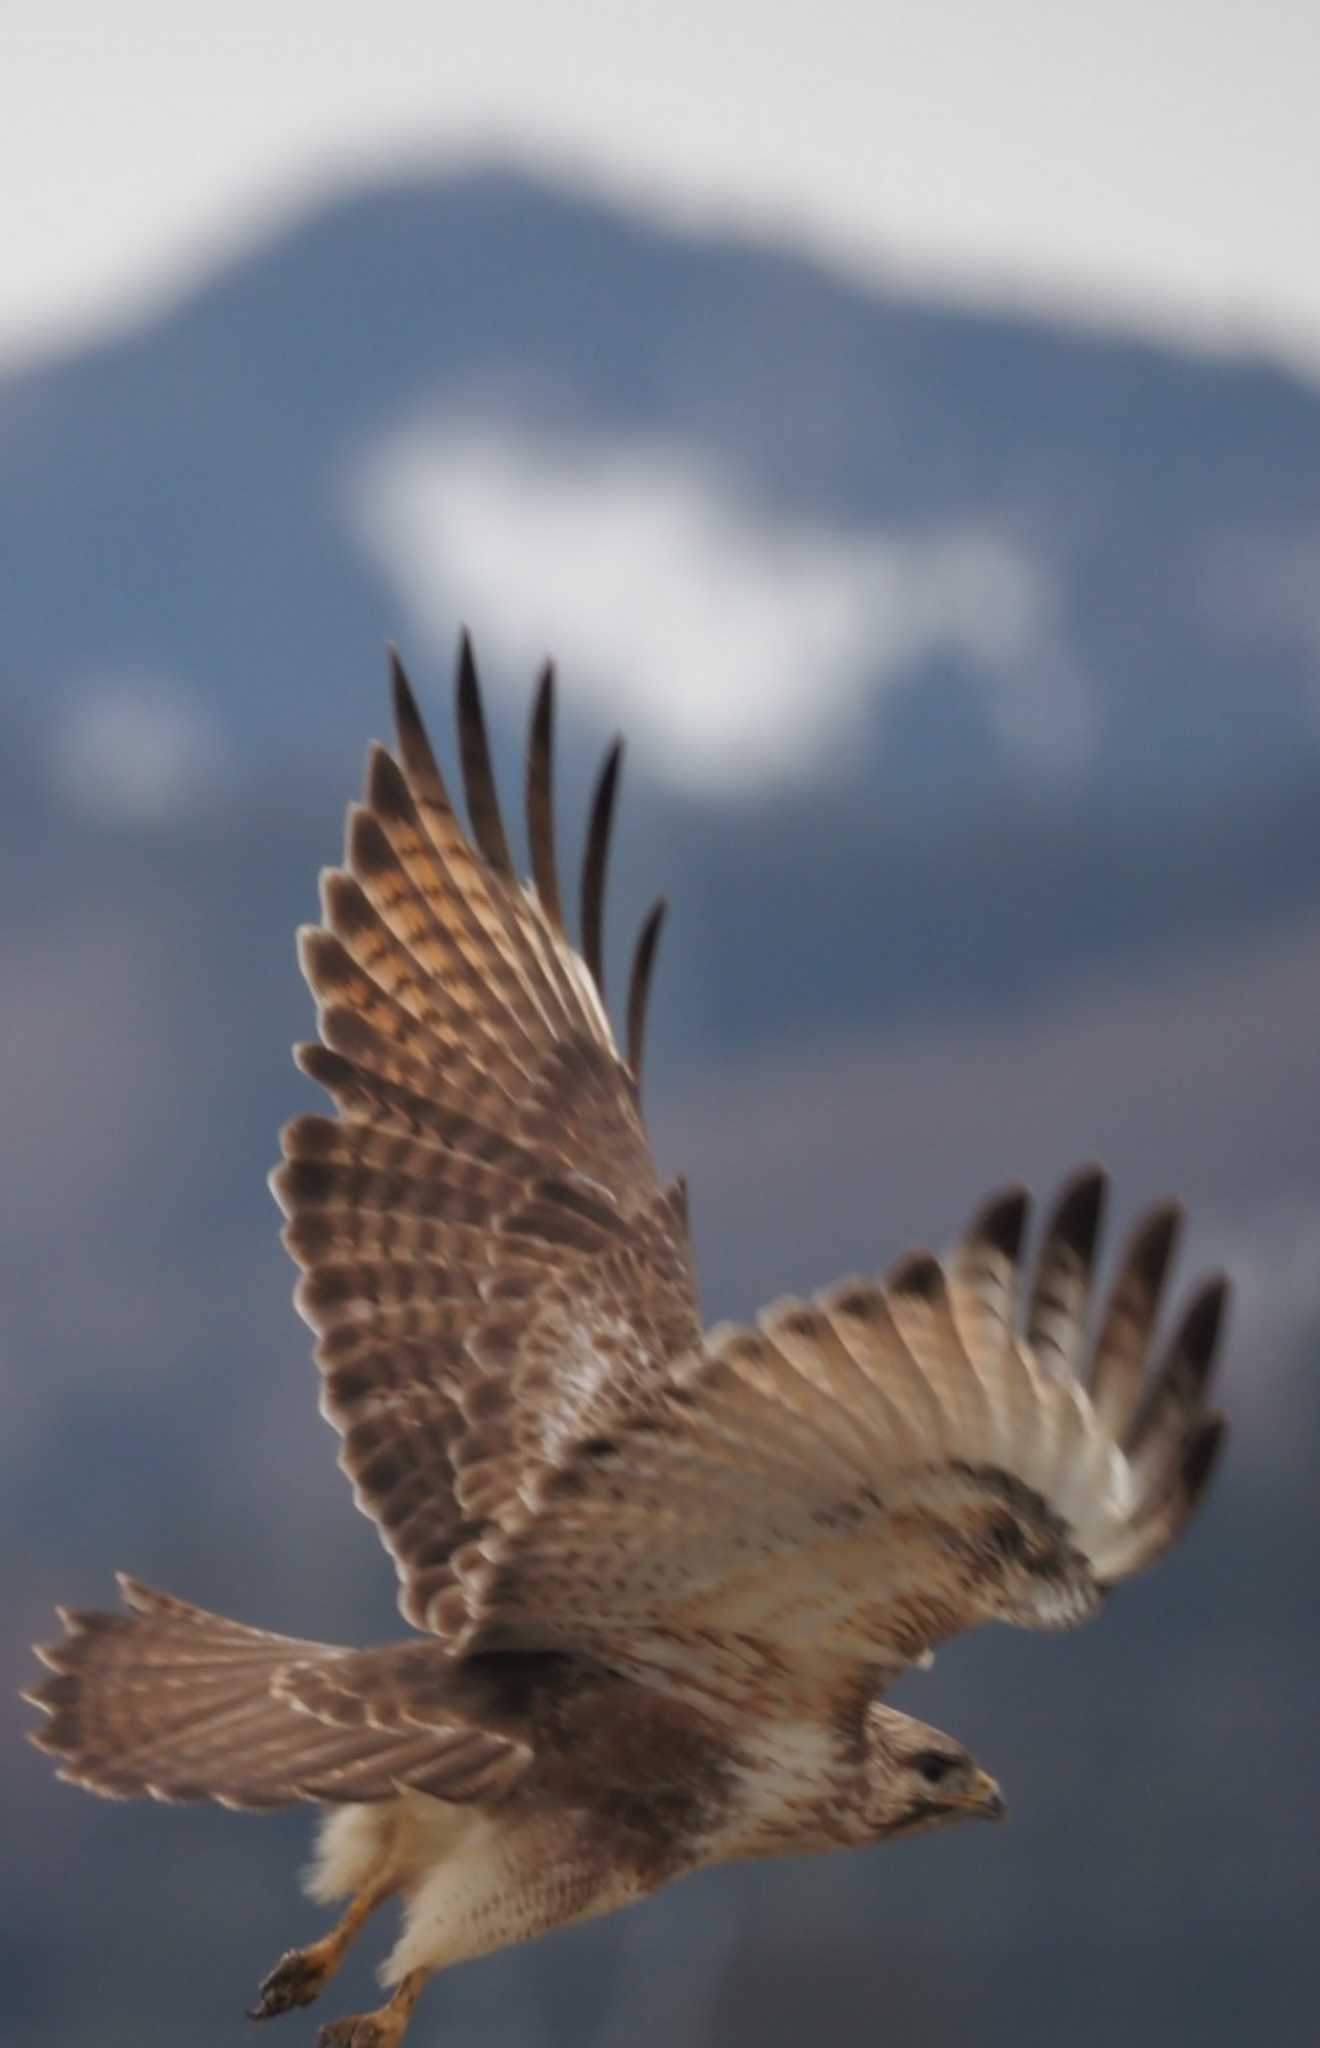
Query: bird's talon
{"type": "Point", "coordinates": [359, 2030]}
{"type": "Point", "coordinates": [295, 1980]}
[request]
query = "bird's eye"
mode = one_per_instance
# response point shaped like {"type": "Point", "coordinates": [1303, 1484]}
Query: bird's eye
{"type": "Point", "coordinates": [934, 1766]}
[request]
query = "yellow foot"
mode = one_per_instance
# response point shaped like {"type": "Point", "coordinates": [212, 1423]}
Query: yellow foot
{"type": "Point", "coordinates": [380, 2029]}
{"type": "Point", "coordinates": [296, 1979]}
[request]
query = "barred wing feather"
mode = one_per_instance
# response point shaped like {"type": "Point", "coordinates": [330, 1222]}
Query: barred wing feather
{"type": "Point", "coordinates": [864, 1474]}
{"type": "Point", "coordinates": [489, 1262]}
{"type": "Point", "coordinates": [507, 1325]}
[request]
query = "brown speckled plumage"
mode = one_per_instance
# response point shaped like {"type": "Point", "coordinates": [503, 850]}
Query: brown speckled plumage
{"type": "Point", "coordinates": [663, 1577]}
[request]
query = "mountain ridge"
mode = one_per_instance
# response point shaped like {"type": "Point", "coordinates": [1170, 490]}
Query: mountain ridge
{"type": "Point", "coordinates": [169, 499]}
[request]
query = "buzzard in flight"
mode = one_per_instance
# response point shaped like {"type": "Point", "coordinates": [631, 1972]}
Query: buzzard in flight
{"type": "Point", "coordinates": [662, 1578]}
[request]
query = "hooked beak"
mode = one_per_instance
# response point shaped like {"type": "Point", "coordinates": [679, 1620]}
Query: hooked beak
{"type": "Point", "coordinates": [984, 1798]}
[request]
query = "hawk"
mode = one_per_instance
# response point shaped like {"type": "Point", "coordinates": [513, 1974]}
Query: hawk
{"type": "Point", "coordinates": [661, 1579]}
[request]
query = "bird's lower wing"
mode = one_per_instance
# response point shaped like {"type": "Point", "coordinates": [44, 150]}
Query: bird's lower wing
{"type": "Point", "coordinates": [864, 1474]}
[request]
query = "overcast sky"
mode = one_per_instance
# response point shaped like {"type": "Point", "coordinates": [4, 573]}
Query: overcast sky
{"type": "Point", "coordinates": [1163, 159]}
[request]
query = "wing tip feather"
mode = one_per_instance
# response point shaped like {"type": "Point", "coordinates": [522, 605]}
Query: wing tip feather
{"type": "Point", "coordinates": [639, 984]}
{"type": "Point", "coordinates": [1000, 1223]}
{"type": "Point", "coordinates": [539, 798]}
{"type": "Point", "coordinates": [1079, 1211]}
{"type": "Point", "coordinates": [600, 823]}
{"type": "Point", "coordinates": [479, 786]}
{"type": "Point", "coordinates": [407, 716]}
{"type": "Point", "coordinates": [919, 1275]}
{"type": "Point", "coordinates": [1203, 1449]}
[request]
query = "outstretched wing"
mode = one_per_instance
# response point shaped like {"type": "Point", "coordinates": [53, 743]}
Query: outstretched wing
{"type": "Point", "coordinates": [866, 1473]}
{"type": "Point", "coordinates": [490, 1264]}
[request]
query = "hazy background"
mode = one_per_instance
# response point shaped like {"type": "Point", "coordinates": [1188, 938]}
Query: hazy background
{"type": "Point", "coordinates": [908, 431]}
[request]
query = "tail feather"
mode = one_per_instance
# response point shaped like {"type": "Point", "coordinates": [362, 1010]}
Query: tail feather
{"type": "Point", "coordinates": [169, 1701]}
{"type": "Point", "coordinates": [139, 1702]}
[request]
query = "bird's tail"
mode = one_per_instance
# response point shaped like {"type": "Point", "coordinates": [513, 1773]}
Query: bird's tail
{"type": "Point", "coordinates": [167, 1700]}
{"type": "Point", "coordinates": [175, 1703]}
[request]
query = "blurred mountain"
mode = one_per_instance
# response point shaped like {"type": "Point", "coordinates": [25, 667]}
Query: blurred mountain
{"type": "Point", "coordinates": [170, 500]}
{"type": "Point", "coordinates": [173, 519]}
{"type": "Point", "coordinates": [926, 960]}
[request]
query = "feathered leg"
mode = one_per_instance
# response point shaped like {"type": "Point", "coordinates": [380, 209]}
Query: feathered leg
{"type": "Point", "coordinates": [383, 2028]}
{"type": "Point", "coordinates": [303, 1973]}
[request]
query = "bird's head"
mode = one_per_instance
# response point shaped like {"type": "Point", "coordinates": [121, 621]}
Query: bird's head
{"type": "Point", "coordinates": [919, 1778]}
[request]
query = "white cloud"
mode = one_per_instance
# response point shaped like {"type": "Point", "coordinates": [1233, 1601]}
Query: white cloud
{"type": "Point", "coordinates": [735, 645]}
{"type": "Point", "coordinates": [134, 748]}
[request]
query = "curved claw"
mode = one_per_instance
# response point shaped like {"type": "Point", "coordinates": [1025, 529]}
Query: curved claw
{"type": "Point", "coordinates": [297, 1978]}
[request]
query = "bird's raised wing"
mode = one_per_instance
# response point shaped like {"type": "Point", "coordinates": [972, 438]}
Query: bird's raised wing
{"type": "Point", "coordinates": [866, 1473]}
{"type": "Point", "coordinates": [490, 1264]}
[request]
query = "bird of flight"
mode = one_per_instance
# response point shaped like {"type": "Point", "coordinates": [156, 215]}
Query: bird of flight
{"type": "Point", "coordinates": [661, 1579]}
